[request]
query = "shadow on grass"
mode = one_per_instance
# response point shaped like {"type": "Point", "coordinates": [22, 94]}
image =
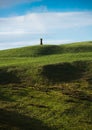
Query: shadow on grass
{"type": "Point", "coordinates": [10, 120]}
{"type": "Point", "coordinates": [5, 97]}
{"type": "Point", "coordinates": [8, 76]}
{"type": "Point", "coordinates": [64, 72]}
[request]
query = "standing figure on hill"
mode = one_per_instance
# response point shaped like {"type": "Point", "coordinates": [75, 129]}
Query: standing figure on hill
{"type": "Point", "coordinates": [41, 41]}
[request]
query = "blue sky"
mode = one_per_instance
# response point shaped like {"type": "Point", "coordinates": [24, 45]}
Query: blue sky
{"type": "Point", "coordinates": [23, 22]}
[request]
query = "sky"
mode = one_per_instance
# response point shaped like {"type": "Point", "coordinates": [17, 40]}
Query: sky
{"type": "Point", "coordinates": [24, 22]}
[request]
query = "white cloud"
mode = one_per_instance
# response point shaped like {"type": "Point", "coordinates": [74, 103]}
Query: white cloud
{"type": "Point", "coordinates": [37, 23]}
{"type": "Point", "coordinates": [32, 26]}
{"type": "Point", "coordinates": [30, 23]}
{"type": "Point", "coordinates": [5, 3]}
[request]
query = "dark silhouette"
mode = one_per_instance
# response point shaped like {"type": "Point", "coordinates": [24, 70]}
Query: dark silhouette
{"type": "Point", "coordinates": [41, 41]}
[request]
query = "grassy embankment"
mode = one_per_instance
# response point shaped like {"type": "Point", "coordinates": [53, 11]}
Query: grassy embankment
{"type": "Point", "coordinates": [46, 87]}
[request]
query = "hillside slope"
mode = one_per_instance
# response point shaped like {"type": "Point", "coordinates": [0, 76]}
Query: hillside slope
{"type": "Point", "coordinates": [34, 51]}
{"type": "Point", "coordinates": [46, 87]}
{"type": "Point", "coordinates": [46, 64]}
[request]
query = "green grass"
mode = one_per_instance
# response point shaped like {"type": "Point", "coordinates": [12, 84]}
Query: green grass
{"type": "Point", "coordinates": [35, 51]}
{"type": "Point", "coordinates": [46, 87]}
{"type": "Point", "coordinates": [43, 60]}
{"type": "Point", "coordinates": [51, 109]}
{"type": "Point", "coordinates": [47, 54]}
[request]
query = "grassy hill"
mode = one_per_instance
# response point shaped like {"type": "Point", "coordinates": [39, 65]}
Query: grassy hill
{"type": "Point", "coordinates": [46, 87]}
{"type": "Point", "coordinates": [35, 51]}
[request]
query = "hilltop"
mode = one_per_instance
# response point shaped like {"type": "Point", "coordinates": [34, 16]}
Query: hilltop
{"type": "Point", "coordinates": [35, 51]}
